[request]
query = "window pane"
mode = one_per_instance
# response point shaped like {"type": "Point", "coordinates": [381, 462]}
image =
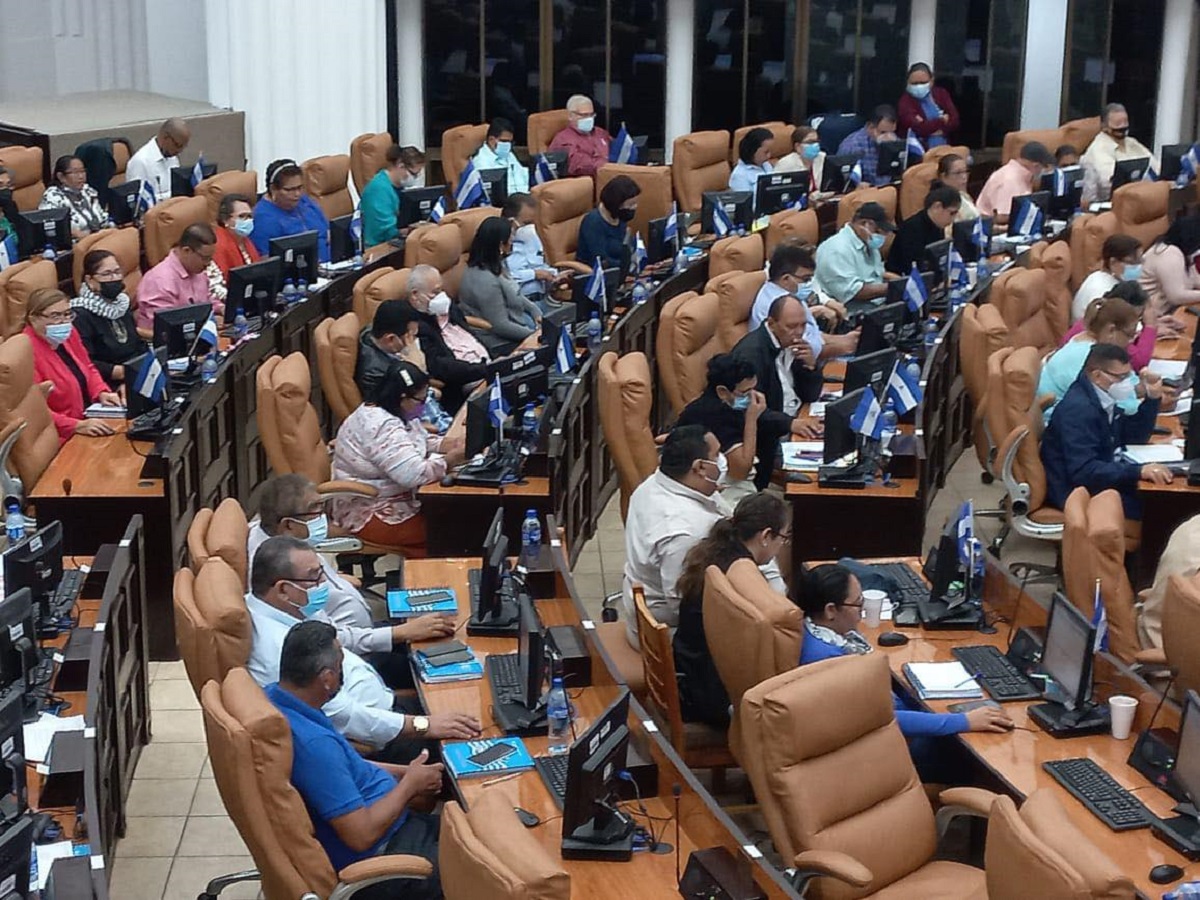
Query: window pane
{"type": "Point", "coordinates": [832, 46]}
{"type": "Point", "coordinates": [511, 42]}
{"type": "Point", "coordinates": [1007, 60]}
{"type": "Point", "coordinates": [1088, 60]}
{"type": "Point", "coordinates": [883, 53]}
{"type": "Point", "coordinates": [770, 77]}
{"type": "Point", "coordinates": [579, 54]}
{"type": "Point", "coordinates": [452, 90]}
{"type": "Point", "coordinates": [639, 60]}
{"type": "Point", "coordinates": [1136, 49]}
{"type": "Point", "coordinates": [717, 79]}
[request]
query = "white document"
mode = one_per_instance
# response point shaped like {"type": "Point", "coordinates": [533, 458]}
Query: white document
{"type": "Point", "coordinates": [1152, 453]}
{"type": "Point", "coordinates": [1168, 368]}
{"type": "Point", "coordinates": [100, 411]}
{"type": "Point", "coordinates": [46, 855]}
{"type": "Point", "coordinates": [941, 680]}
{"type": "Point", "coordinates": [39, 734]}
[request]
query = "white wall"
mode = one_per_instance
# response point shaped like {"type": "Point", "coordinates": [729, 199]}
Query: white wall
{"type": "Point", "coordinates": [1045, 53]}
{"type": "Point", "coordinates": [1174, 75]}
{"type": "Point", "coordinates": [922, 21]}
{"type": "Point", "coordinates": [176, 47]}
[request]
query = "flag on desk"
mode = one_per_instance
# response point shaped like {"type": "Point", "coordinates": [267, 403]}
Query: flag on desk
{"type": "Point", "coordinates": [956, 268]}
{"type": "Point", "coordinates": [867, 419]}
{"type": "Point", "coordinates": [1029, 219]}
{"type": "Point", "coordinates": [722, 226]}
{"type": "Point", "coordinates": [595, 288]}
{"type": "Point", "coordinates": [439, 210]}
{"type": "Point", "coordinates": [640, 257]}
{"type": "Point", "coordinates": [964, 531]}
{"type": "Point", "coordinates": [671, 228]}
{"type": "Point", "coordinates": [209, 333]}
{"type": "Point", "coordinates": [542, 170]}
{"type": "Point", "coordinates": [855, 175]}
{"type": "Point", "coordinates": [904, 387]}
{"type": "Point", "coordinates": [469, 192]}
{"type": "Point", "coordinates": [564, 354]}
{"type": "Point", "coordinates": [1099, 621]}
{"type": "Point", "coordinates": [978, 236]}
{"type": "Point", "coordinates": [146, 197]}
{"type": "Point", "coordinates": [151, 381]}
{"type": "Point", "coordinates": [1189, 165]}
{"type": "Point", "coordinates": [497, 407]}
{"type": "Point", "coordinates": [623, 149]}
{"type": "Point", "coordinates": [915, 292]}
{"type": "Point", "coordinates": [356, 231]}
{"type": "Point", "coordinates": [8, 251]}
{"type": "Point", "coordinates": [1060, 182]}
{"type": "Point", "coordinates": [198, 170]}
{"type": "Point", "coordinates": [912, 147]}
{"type": "Point", "coordinates": [1151, 174]}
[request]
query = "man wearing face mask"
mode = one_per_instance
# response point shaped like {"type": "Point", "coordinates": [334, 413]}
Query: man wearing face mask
{"type": "Point", "coordinates": [1107, 408]}
{"type": "Point", "coordinates": [1015, 178]}
{"type": "Point", "coordinates": [383, 342]}
{"type": "Point", "coordinates": [864, 143]}
{"type": "Point", "coordinates": [1110, 146]}
{"type": "Point", "coordinates": [586, 142]}
{"type": "Point", "coordinates": [791, 272]}
{"type": "Point", "coordinates": [527, 260]}
{"type": "Point", "coordinates": [291, 506]}
{"type": "Point", "coordinates": [850, 265]}
{"type": "Point", "coordinates": [453, 355]}
{"type": "Point", "coordinates": [497, 153]}
{"type": "Point", "coordinates": [287, 586]}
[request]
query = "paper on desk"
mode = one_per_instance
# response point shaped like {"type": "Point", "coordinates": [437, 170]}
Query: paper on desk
{"type": "Point", "coordinates": [1182, 405]}
{"type": "Point", "coordinates": [1168, 368]}
{"type": "Point", "coordinates": [817, 410]}
{"type": "Point", "coordinates": [1152, 453]}
{"type": "Point", "coordinates": [47, 854]}
{"type": "Point", "coordinates": [39, 734]}
{"type": "Point", "coordinates": [802, 456]}
{"type": "Point", "coordinates": [101, 411]}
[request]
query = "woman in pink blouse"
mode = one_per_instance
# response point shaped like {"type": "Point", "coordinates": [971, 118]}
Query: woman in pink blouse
{"type": "Point", "coordinates": [383, 444]}
{"type": "Point", "coordinates": [1169, 271]}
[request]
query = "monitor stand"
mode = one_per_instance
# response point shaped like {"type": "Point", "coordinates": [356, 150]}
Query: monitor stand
{"type": "Point", "coordinates": [505, 623]}
{"type": "Point", "coordinates": [1060, 722]}
{"type": "Point", "coordinates": [1180, 832]}
{"type": "Point", "coordinates": [607, 837]}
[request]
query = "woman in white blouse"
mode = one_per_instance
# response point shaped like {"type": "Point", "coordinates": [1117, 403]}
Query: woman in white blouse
{"type": "Point", "coordinates": [71, 191]}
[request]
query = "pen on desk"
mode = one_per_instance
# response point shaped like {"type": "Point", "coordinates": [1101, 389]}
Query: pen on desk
{"type": "Point", "coordinates": [458, 626]}
{"type": "Point", "coordinates": [492, 781]}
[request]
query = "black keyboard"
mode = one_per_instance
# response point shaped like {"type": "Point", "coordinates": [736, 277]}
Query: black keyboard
{"type": "Point", "coordinates": [70, 586]}
{"type": "Point", "coordinates": [1104, 798]}
{"type": "Point", "coordinates": [504, 672]}
{"type": "Point", "coordinates": [999, 677]}
{"type": "Point", "coordinates": [150, 426]}
{"type": "Point", "coordinates": [912, 590]}
{"type": "Point", "coordinates": [553, 770]}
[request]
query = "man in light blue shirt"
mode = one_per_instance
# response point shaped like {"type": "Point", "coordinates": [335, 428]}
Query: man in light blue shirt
{"type": "Point", "coordinates": [526, 260]}
{"type": "Point", "coordinates": [791, 272]}
{"type": "Point", "coordinates": [849, 264]}
{"type": "Point", "coordinates": [497, 153]}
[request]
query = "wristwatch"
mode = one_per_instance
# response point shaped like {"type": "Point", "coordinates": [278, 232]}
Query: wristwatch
{"type": "Point", "coordinates": [420, 725]}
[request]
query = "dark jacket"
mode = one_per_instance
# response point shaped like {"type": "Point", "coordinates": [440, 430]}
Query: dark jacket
{"type": "Point", "coordinates": [598, 238]}
{"type": "Point", "coordinates": [758, 349]}
{"type": "Point", "coordinates": [109, 342]}
{"type": "Point", "coordinates": [914, 234]}
{"type": "Point", "coordinates": [729, 424]}
{"type": "Point", "coordinates": [97, 157]}
{"type": "Point", "coordinates": [444, 365]}
{"type": "Point", "coordinates": [1079, 444]}
{"type": "Point", "coordinates": [372, 365]}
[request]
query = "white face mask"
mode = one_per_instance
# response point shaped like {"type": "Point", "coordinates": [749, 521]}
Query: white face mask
{"type": "Point", "coordinates": [722, 478]}
{"type": "Point", "coordinates": [440, 304]}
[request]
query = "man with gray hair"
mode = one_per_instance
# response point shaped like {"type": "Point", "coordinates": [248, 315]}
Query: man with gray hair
{"type": "Point", "coordinates": [1110, 146]}
{"type": "Point", "coordinates": [453, 355]}
{"type": "Point", "coordinates": [586, 143]}
{"type": "Point", "coordinates": [156, 158]}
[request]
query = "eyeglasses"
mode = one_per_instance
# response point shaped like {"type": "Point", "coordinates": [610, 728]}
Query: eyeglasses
{"type": "Point", "coordinates": [320, 577]}
{"type": "Point", "coordinates": [785, 536]}
{"type": "Point", "coordinates": [858, 605]}
{"type": "Point", "coordinates": [108, 275]}
{"type": "Point", "coordinates": [58, 318]}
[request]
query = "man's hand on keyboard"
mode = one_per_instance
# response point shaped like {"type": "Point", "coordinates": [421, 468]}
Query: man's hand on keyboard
{"type": "Point", "coordinates": [425, 628]}
{"type": "Point", "coordinates": [988, 718]}
{"type": "Point", "coordinates": [456, 726]}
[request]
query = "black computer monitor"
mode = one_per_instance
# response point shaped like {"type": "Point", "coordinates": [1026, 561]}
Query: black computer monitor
{"type": "Point", "coordinates": [35, 562]}
{"type": "Point", "coordinates": [16, 847]}
{"type": "Point", "coordinates": [299, 255]}
{"type": "Point", "coordinates": [1067, 657]}
{"type": "Point", "coordinates": [495, 611]}
{"type": "Point", "coordinates": [39, 228]}
{"type": "Point", "coordinates": [1172, 161]}
{"type": "Point", "coordinates": [495, 530]}
{"type": "Point", "coordinates": [937, 260]}
{"type": "Point", "coordinates": [341, 245]}
{"type": "Point", "coordinates": [657, 246]}
{"type": "Point", "coordinates": [181, 178]}
{"type": "Point", "coordinates": [495, 185]}
{"type": "Point", "coordinates": [584, 305]}
{"type": "Point", "coordinates": [19, 655]}
{"type": "Point", "coordinates": [870, 370]}
{"type": "Point", "coordinates": [881, 327]}
{"type": "Point", "coordinates": [178, 328]}
{"type": "Point", "coordinates": [417, 203]}
{"type": "Point", "coordinates": [480, 429]}
{"type": "Point", "coordinates": [13, 797]}
{"type": "Point", "coordinates": [1040, 199]}
{"type": "Point", "coordinates": [553, 323]}
{"type": "Point", "coordinates": [840, 436]}
{"type": "Point", "coordinates": [1186, 772]}
{"type": "Point", "coordinates": [897, 288]}
{"type": "Point", "coordinates": [253, 288]}
{"type": "Point", "coordinates": [591, 829]}
{"type": "Point", "coordinates": [136, 403]}
{"type": "Point", "coordinates": [1191, 443]}
{"type": "Point", "coordinates": [1127, 171]}
{"type": "Point", "coordinates": [556, 159]}
{"type": "Point", "coordinates": [738, 206]}
{"type": "Point", "coordinates": [963, 235]}
{"type": "Point", "coordinates": [531, 654]}
{"type": "Point", "coordinates": [123, 202]}
{"type": "Point", "coordinates": [779, 191]}
{"type": "Point", "coordinates": [892, 159]}
{"type": "Point", "coordinates": [835, 176]}
{"type": "Point", "coordinates": [1064, 205]}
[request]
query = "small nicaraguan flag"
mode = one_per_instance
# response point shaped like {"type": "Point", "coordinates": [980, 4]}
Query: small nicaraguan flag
{"type": "Point", "coordinates": [800, 202]}
{"type": "Point", "coordinates": [146, 196]}
{"type": "Point", "coordinates": [915, 293]}
{"type": "Point", "coordinates": [623, 149]}
{"type": "Point", "coordinates": [543, 171]}
{"type": "Point", "coordinates": [1029, 219]}
{"type": "Point", "coordinates": [978, 236]}
{"type": "Point", "coordinates": [957, 268]}
{"type": "Point", "coordinates": [209, 333]}
{"type": "Point", "coordinates": [855, 174]}
{"type": "Point", "coordinates": [8, 251]}
{"type": "Point", "coordinates": [198, 171]}
{"type": "Point", "coordinates": [439, 210]}
{"type": "Point", "coordinates": [912, 146]}
{"type": "Point", "coordinates": [356, 231]}
{"type": "Point", "coordinates": [1189, 165]}
{"type": "Point", "coordinates": [1099, 621]}
{"type": "Point", "coordinates": [1150, 174]}
{"type": "Point", "coordinates": [965, 533]}
{"type": "Point", "coordinates": [903, 389]}
{"type": "Point", "coordinates": [151, 381]}
{"type": "Point", "coordinates": [564, 354]}
{"type": "Point", "coordinates": [1060, 183]}
{"type": "Point", "coordinates": [867, 419]}
{"type": "Point", "coordinates": [640, 257]}
{"type": "Point", "coordinates": [671, 228]}
{"type": "Point", "coordinates": [721, 224]}
{"type": "Point", "coordinates": [595, 288]}
{"type": "Point", "coordinates": [469, 192]}
{"type": "Point", "coordinates": [497, 407]}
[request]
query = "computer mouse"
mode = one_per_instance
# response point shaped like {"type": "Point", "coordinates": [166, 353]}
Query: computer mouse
{"type": "Point", "coordinates": [799, 478]}
{"type": "Point", "coordinates": [448, 481]}
{"type": "Point", "coordinates": [1166, 873]}
{"type": "Point", "coordinates": [893, 639]}
{"type": "Point", "coordinates": [529, 820]}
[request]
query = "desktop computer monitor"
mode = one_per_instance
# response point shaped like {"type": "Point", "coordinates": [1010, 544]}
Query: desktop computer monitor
{"type": "Point", "coordinates": [495, 530]}
{"type": "Point", "coordinates": [123, 202]}
{"type": "Point", "coordinates": [1064, 205]}
{"type": "Point", "coordinates": [13, 797]}
{"type": "Point", "coordinates": [181, 179]}
{"type": "Point", "coordinates": [840, 436]}
{"type": "Point", "coordinates": [495, 186]}
{"type": "Point", "coordinates": [556, 159]}
{"type": "Point", "coordinates": [881, 327]}
{"type": "Point", "coordinates": [584, 305]}
{"type": "Point", "coordinates": [531, 653]}
{"type": "Point", "coordinates": [937, 260]}
{"type": "Point", "coordinates": [893, 160]}
{"type": "Point", "coordinates": [835, 176]}
{"type": "Point", "coordinates": [963, 236]}
{"type": "Point", "coordinates": [870, 370]}
{"type": "Point", "coordinates": [480, 429]}
{"type": "Point", "coordinates": [738, 206]}
{"type": "Point", "coordinates": [20, 659]}
{"type": "Point", "coordinates": [299, 255]}
{"type": "Point", "coordinates": [136, 403]}
{"type": "Point", "coordinates": [16, 847]}
{"type": "Point", "coordinates": [1186, 772]}
{"type": "Point", "coordinates": [341, 245]}
{"type": "Point", "coordinates": [1191, 443]}
{"type": "Point", "coordinates": [1067, 657]}
{"type": "Point", "coordinates": [39, 228]}
{"type": "Point", "coordinates": [178, 329]}
{"type": "Point", "coordinates": [1172, 161]}
{"type": "Point", "coordinates": [254, 287]}
{"type": "Point", "coordinates": [35, 562]}
{"type": "Point", "coordinates": [417, 203]}
{"type": "Point", "coordinates": [1127, 171]}
{"type": "Point", "coordinates": [779, 191]}
{"type": "Point", "coordinates": [591, 827]}
{"type": "Point", "coordinates": [491, 579]}
{"type": "Point", "coordinates": [657, 246]}
{"type": "Point", "coordinates": [1041, 199]}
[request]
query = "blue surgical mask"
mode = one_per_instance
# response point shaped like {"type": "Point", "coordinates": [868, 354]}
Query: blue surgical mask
{"type": "Point", "coordinates": [740, 403]}
{"type": "Point", "coordinates": [59, 332]}
{"type": "Point", "coordinates": [243, 227]}
{"type": "Point", "coordinates": [1133, 272]}
{"type": "Point", "coordinates": [811, 151]}
{"type": "Point", "coordinates": [1125, 394]}
{"type": "Point", "coordinates": [585, 126]}
{"type": "Point", "coordinates": [804, 290]}
{"type": "Point", "coordinates": [875, 241]}
{"type": "Point", "coordinates": [317, 596]}
{"type": "Point", "coordinates": [318, 528]}
{"type": "Point", "coordinates": [920, 91]}
{"type": "Point", "coordinates": [503, 148]}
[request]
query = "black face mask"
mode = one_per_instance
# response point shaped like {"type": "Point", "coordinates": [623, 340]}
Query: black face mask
{"type": "Point", "coordinates": [111, 290]}
{"type": "Point", "coordinates": [5, 195]}
{"type": "Point", "coordinates": [626, 215]}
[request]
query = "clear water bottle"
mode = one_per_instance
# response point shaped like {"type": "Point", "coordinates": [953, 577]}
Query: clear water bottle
{"type": "Point", "coordinates": [914, 371]}
{"type": "Point", "coordinates": [302, 290]}
{"type": "Point", "coordinates": [531, 537]}
{"type": "Point", "coordinates": [558, 714]}
{"type": "Point", "coordinates": [640, 294]}
{"type": "Point", "coordinates": [595, 332]}
{"type": "Point", "coordinates": [357, 262]}
{"type": "Point", "coordinates": [983, 271]}
{"type": "Point", "coordinates": [14, 522]}
{"type": "Point", "coordinates": [49, 253]}
{"type": "Point", "coordinates": [930, 333]}
{"type": "Point", "coordinates": [890, 423]}
{"type": "Point", "coordinates": [240, 326]}
{"type": "Point", "coordinates": [208, 368]}
{"type": "Point", "coordinates": [681, 261]}
{"type": "Point", "coordinates": [529, 424]}
{"type": "Point", "coordinates": [289, 292]}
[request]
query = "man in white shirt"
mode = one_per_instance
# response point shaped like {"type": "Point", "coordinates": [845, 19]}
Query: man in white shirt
{"type": "Point", "coordinates": [288, 586]}
{"type": "Point", "coordinates": [526, 262]}
{"type": "Point", "coordinates": [158, 156]}
{"type": "Point", "coordinates": [497, 153]}
{"type": "Point", "coordinates": [290, 505]}
{"type": "Point", "coordinates": [790, 272]}
{"type": "Point", "coordinates": [1111, 145]}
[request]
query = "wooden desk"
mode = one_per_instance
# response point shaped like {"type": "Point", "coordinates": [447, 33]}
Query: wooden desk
{"type": "Point", "coordinates": [828, 523]}
{"type": "Point", "coordinates": [457, 516]}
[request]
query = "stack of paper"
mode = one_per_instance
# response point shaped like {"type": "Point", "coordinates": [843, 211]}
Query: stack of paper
{"type": "Point", "coordinates": [1152, 453]}
{"type": "Point", "coordinates": [802, 456]}
{"type": "Point", "coordinates": [942, 681]}
{"type": "Point", "coordinates": [100, 411]}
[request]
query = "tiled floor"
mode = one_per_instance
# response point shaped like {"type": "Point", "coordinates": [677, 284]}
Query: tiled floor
{"type": "Point", "coordinates": [179, 836]}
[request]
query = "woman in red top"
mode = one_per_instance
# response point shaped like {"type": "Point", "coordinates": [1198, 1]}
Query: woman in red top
{"type": "Point", "coordinates": [236, 218]}
{"type": "Point", "coordinates": [60, 358]}
{"type": "Point", "coordinates": [925, 109]}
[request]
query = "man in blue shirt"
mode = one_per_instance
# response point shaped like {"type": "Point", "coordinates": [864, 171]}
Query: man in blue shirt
{"type": "Point", "coordinates": [865, 142]}
{"type": "Point", "coordinates": [359, 809]}
{"type": "Point", "coordinates": [497, 153]}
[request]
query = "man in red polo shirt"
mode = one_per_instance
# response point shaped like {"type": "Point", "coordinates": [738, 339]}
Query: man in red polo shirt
{"type": "Point", "coordinates": [585, 142]}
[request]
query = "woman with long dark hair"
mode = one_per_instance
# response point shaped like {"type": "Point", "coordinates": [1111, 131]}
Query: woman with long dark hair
{"type": "Point", "coordinates": [1169, 272]}
{"type": "Point", "coordinates": [487, 291]}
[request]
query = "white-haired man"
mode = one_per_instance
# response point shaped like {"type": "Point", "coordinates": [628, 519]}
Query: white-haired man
{"type": "Point", "coordinates": [586, 143]}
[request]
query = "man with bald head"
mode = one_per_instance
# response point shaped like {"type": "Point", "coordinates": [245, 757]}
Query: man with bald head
{"type": "Point", "coordinates": [586, 142]}
{"type": "Point", "coordinates": [158, 156]}
{"type": "Point", "coordinates": [452, 354]}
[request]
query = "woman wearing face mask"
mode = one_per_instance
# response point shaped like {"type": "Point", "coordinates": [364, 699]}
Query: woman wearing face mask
{"type": "Point", "coordinates": [104, 317]}
{"type": "Point", "coordinates": [60, 358]}
{"type": "Point", "coordinates": [235, 218]}
{"type": "Point", "coordinates": [806, 156]}
{"type": "Point", "coordinates": [1141, 349]}
{"type": "Point", "coordinates": [285, 209]}
{"type": "Point", "coordinates": [926, 109]}
{"type": "Point", "coordinates": [1120, 260]}
{"type": "Point", "coordinates": [487, 291]}
{"type": "Point", "coordinates": [384, 444]}
{"type": "Point", "coordinates": [71, 191]}
{"type": "Point", "coordinates": [754, 155]}
{"type": "Point", "coordinates": [604, 231]}
{"type": "Point", "coordinates": [1169, 271]}
{"type": "Point", "coordinates": [1109, 320]}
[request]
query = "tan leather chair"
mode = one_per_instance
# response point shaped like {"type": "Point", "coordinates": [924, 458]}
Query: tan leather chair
{"type": "Point", "coordinates": [798, 225]}
{"type": "Point", "coordinates": [439, 246]}
{"type": "Point", "coordinates": [212, 624]}
{"type": "Point", "coordinates": [368, 154]}
{"type": "Point", "coordinates": [223, 532]}
{"type": "Point", "coordinates": [25, 166]}
{"type": "Point", "coordinates": [250, 747]}
{"type": "Point", "coordinates": [753, 634]}
{"type": "Point", "coordinates": [1141, 210]}
{"type": "Point", "coordinates": [327, 181]}
{"type": "Point", "coordinates": [17, 282]}
{"type": "Point", "coordinates": [735, 300]}
{"type": "Point", "coordinates": [122, 243]}
{"type": "Point", "coordinates": [914, 186]}
{"type": "Point", "coordinates": [686, 341]}
{"type": "Point", "coordinates": [1181, 631]}
{"type": "Point", "coordinates": [467, 221]}
{"type": "Point", "coordinates": [933, 154]}
{"type": "Point", "coordinates": [164, 224]}
{"type": "Point", "coordinates": [120, 153]}
{"type": "Point", "coordinates": [1034, 317]}
{"type": "Point", "coordinates": [561, 206]}
{"type": "Point", "coordinates": [28, 438]}
{"type": "Point", "coordinates": [736, 254]}
{"type": "Point", "coordinates": [626, 397]}
{"type": "Point", "coordinates": [654, 201]}
{"type": "Point", "coordinates": [1039, 852]}
{"type": "Point", "coordinates": [336, 342]}
{"type": "Point", "coordinates": [287, 422]}
{"type": "Point", "coordinates": [700, 746]}
{"type": "Point", "coordinates": [234, 182]}
{"type": "Point", "coordinates": [885, 196]}
{"type": "Point", "coordinates": [1086, 239]}
{"type": "Point", "coordinates": [983, 333]}
{"type": "Point", "coordinates": [372, 288]}
{"type": "Point", "coordinates": [1054, 258]}
{"type": "Point", "coordinates": [459, 144]}
{"type": "Point", "coordinates": [700, 162]}
{"type": "Point", "coordinates": [869, 835]}
{"type": "Point", "coordinates": [541, 127]}
{"type": "Point", "coordinates": [780, 142]}
{"type": "Point", "coordinates": [486, 852]}
{"type": "Point", "coordinates": [1079, 133]}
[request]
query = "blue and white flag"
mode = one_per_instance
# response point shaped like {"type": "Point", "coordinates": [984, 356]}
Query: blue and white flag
{"type": "Point", "coordinates": [1099, 621]}
{"type": "Point", "coordinates": [151, 380]}
{"type": "Point", "coordinates": [564, 354]}
{"type": "Point", "coordinates": [1189, 165]}
{"type": "Point", "coordinates": [1060, 183]}
{"type": "Point", "coordinates": [915, 292]}
{"type": "Point", "coordinates": [800, 202]}
{"type": "Point", "coordinates": [855, 174]}
{"type": "Point", "coordinates": [912, 146]}
{"type": "Point", "coordinates": [623, 149]}
{"type": "Point", "coordinates": [957, 268]}
{"type": "Point", "coordinates": [8, 251]}
{"type": "Point", "coordinates": [439, 210]}
{"type": "Point", "coordinates": [721, 224]}
{"type": "Point", "coordinates": [356, 231]}
{"type": "Point", "coordinates": [1029, 219]}
{"type": "Point", "coordinates": [978, 236]}
{"type": "Point", "coordinates": [903, 389]}
{"type": "Point", "coordinates": [497, 407]}
{"type": "Point", "coordinates": [543, 171]}
{"type": "Point", "coordinates": [671, 228]}
{"type": "Point", "coordinates": [209, 334]}
{"type": "Point", "coordinates": [595, 288]}
{"type": "Point", "coordinates": [1151, 174]}
{"type": "Point", "coordinates": [469, 192]}
{"type": "Point", "coordinates": [867, 419]}
{"type": "Point", "coordinates": [146, 197]}
{"type": "Point", "coordinates": [964, 531]}
{"type": "Point", "coordinates": [198, 171]}
{"type": "Point", "coordinates": [640, 257]}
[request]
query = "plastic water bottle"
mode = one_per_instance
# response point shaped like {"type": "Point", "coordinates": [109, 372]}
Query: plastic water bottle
{"type": "Point", "coordinates": [289, 292]}
{"type": "Point", "coordinates": [681, 261]}
{"type": "Point", "coordinates": [357, 262]}
{"type": "Point", "coordinates": [529, 424]}
{"type": "Point", "coordinates": [14, 522]}
{"type": "Point", "coordinates": [983, 271]}
{"type": "Point", "coordinates": [531, 537]}
{"type": "Point", "coordinates": [302, 290]}
{"type": "Point", "coordinates": [914, 370]}
{"type": "Point", "coordinates": [49, 253]}
{"type": "Point", "coordinates": [890, 423]}
{"type": "Point", "coordinates": [208, 368]}
{"type": "Point", "coordinates": [930, 333]}
{"type": "Point", "coordinates": [640, 294]}
{"type": "Point", "coordinates": [558, 714]}
{"type": "Point", "coordinates": [1185, 890]}
{"type": "Point", "coordinates": [595, 332]}
{"type": "Point", "coordinates": [240, 326]}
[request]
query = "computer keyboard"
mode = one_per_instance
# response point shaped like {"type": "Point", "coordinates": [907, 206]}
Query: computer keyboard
{"type": "Point", "coordinates": [504, 672]}
{"type": "Point", "coordinates": [999, 677]}
{"type": "Point", "coordinates": [1104, 798]}
{"type": "Point", "coordinates": [912, 592]}
{"type": "Point", "coordinates": [70, 586]}
{"type": "Point", "coordinates": [553, 770]}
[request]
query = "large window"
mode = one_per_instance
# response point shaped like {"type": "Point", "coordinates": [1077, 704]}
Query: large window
{"type": "Point", "coordinates": [857, 54]}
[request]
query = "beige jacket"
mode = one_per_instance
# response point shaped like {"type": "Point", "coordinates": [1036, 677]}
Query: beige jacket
{"type": "Point", "coordinates": [1181, 557]}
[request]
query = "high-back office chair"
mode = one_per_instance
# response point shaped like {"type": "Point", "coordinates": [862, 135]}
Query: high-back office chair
{"type": "Point", "coordinates": [25, 166]}
{"type": "Point", "coordinates": [336, 342]}
{"type": "Point", "coordinates": [625, 400]}
{"type": "Point", "coordinates": [467, 221]}
{"type": "Point", "coordinates": [250, 747]}
{"type": "Point", "coordinates": [885, 196]}
{"type": "Point", "coordinates": [780, 142]}
{"type": "Point", "coordinates": [654, 201]}
{"type": "Point", "coordinates": [541, 127]}
{"type": "Point", "coordinates": [222, 532]}
{"type": "Point", "coordinates": [735, 254]}
{"type": "Point", "coordinates": [439, 246]}
{"type": "Point", "coordinates": [212, 624]}
{"type": "Point", "coordinates": [459, 144]}
{"type": "Point", "coordinates": [686, 341]}
{"type": "Point", "coordinates": [1079, 133]}
{"type": "Point", "coordinates": [28, 438]}
{"type": "Point", "coordinates": [933, 154]}
{"type": "Point", "coordinates": [1138, 209]}
{"type": "Point", "coordinates": [122, 243]}
{"type": "Point", "coordinates": [1054, 258]}
{"type": "Point", "coordinates": [17, 282]}
{"type": "Point", "coordinates": [874, 835]}
{"type": "Point", "coordinates": [327, 181]}
{"type": "Point", "coordinates": [372, 288]}
{"type": "Point", "coordinates": [753, 634]}
{"type": "Point", "coordinates": [983, 333]}
{"type": "Point", "coordinates": [1035, 317]}
{"type": "Point", "coordinates": [232, 182]}
{"type": "Point", "coordinates": [1181, 631]}
{"type": "Point", "coordinates": [798, 225]}
{"type": "Point", "coordinates": [561, 206]}
{"type": "Point", "coordinates": [487, 852]}
{"type": "Point", "coordinates": [165, 222]}
{"type": "Point", "coordinates": [914, 185]}
{"type": "Point", "coordinates": [735, 299]}
{"type": "Point", "coordinates": [368, 154]}
{"type": "Point", "coordinates": [699, 163]}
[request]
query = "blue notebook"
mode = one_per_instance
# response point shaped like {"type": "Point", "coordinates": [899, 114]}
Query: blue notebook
{"type": "Point", "coordinates": [471, 758]}
{"type": "Point", "coordinates": [458, 671]}
{"type": "Point", "coordinates": [404, 604]}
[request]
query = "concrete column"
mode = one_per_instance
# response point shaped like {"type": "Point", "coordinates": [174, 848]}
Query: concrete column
{"type": "Point", "coordinates": [921, 31]}
{"type": "Point", "coordinates": [411, 93]}
{"type": "Point", "coordinates": [1045, 54]}
{"type": "Point", "coordinates": [681, 44]}
{"type": "Point", "coordinates": [1173, 74]}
